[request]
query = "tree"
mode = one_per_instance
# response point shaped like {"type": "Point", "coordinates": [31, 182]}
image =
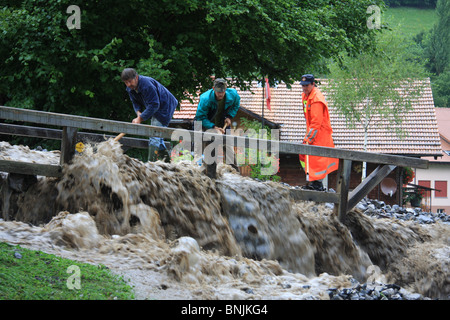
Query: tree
{"type": "Point", "coordinates": [437, 51]}
{"type": "Point", "coordinates": [378, 84]}
{"type": "Point", "coordinates": [437, 42]}
{"type": "Point", "coordinates": [181, 43]}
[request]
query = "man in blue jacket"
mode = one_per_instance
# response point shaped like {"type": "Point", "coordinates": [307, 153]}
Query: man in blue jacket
{"type": "Point", "coordinates": [215, 110]}
{"type": "Point", "coordinates": [151, 100]}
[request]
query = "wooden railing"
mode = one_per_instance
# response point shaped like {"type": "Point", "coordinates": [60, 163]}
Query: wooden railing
{"type": "Point", "coordinates": [343, 200]}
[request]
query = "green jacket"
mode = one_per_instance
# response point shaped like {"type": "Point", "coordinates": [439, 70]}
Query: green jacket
{"type": "Point", "coordinates": [207, 107]}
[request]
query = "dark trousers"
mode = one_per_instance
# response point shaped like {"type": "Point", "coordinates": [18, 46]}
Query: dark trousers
{"type": "Point", "coordinates": [228, 153]}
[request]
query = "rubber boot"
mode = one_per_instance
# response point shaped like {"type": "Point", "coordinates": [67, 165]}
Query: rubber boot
{"type": "Point", "coordinates": [211, 170]}
{"type": "Point", "coordinates": [164, 155]}
{"type": "Point", "coordinates": [152, 153]}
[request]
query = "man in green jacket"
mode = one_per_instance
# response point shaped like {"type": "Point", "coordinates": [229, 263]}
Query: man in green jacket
{"type": "Point", "coordinates": [215, 110]}
{"type": "Point", "coordinates": [218, 106]}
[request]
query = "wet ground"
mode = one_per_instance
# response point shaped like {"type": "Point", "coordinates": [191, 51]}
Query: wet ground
{"type": "Point", "coordinates": [176, 234]}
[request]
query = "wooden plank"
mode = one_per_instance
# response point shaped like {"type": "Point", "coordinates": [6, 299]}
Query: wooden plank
{"type": "Point", "coordinates": [368, 184]}
{"type": "Point", "coordinates": [56, 134]}
{"type": "Point", "coordinates": [343, 184]}
{"type": "Point", "coordinates": [316, 196]}
{"type": "Point", "coordinates": [95, 124]}
{"type": "Point", "coordinates": [69, 139]}
{"type": "Point", "coordinates": [353, 155]}
{"type": "Point", "coordinates": [31, 168]}
{"type": "Point", "coordinates": [28, 131]}
{"type": "Point", "coordinates": [297, 148]}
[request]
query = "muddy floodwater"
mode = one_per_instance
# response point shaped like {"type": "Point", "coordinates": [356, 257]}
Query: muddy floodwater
{"type": "Point", "coordinates": [176, 234]}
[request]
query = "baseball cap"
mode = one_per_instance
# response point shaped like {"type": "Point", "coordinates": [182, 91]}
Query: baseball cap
{"type": "Point", "coordinates": [307, 79]}
{"type": "Point", "coordinates": [220, 85]}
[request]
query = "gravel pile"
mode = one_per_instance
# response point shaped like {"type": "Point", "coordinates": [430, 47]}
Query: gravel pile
{"type": "Point", "coordinates": [374, 292]}
{"type": "Point", "coordinates": [379, 209]}
{"type": "Point", "coordinates": [383, 291]}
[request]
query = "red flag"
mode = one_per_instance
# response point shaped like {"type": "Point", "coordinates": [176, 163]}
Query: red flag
{"type": "Point", "coordinates": [268, 95]}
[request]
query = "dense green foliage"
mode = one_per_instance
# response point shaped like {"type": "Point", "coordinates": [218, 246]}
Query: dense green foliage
{"type": "Point", "coordinates": [434, 48]}
{"type": "Point", "coordinates": [34, 275]}
{"type": "Point", "coordinates": [181, 43]}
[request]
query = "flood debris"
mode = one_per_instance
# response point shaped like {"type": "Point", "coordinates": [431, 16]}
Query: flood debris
{"type": "Point", "coordinates": [177, 234]}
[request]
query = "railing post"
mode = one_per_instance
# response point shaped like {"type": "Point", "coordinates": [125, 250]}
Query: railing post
{"type": "Point", "coordinates": [343, 184]}
{"type": "Point", "coordinates": [6, 192]}
{"type": "Point", "coordinates": [69, 138]}
{"type": "Point", "coordinates": [368, 184]}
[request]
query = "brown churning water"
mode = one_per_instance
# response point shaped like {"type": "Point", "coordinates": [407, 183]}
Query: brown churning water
{"type": "Point", "coordinates": [109, 202]}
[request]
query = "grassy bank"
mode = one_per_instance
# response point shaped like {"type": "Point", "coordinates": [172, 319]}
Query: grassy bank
{"type": "Point", "coordinates": [411, 21]}
{"type": "Point", "coordinates": [34, 275]}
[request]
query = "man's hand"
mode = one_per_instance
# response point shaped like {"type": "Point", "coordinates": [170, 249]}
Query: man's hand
{"type": "Point", "coordinates": [137, 120]}
{"type": "Point", "coordinates": [227, 122]}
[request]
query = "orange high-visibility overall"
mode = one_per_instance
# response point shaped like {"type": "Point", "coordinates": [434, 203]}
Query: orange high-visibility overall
{"type": "Point", "coordinates": [318, 133]}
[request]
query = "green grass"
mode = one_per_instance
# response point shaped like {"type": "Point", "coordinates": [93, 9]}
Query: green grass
{"type": "Point", "coordinates": [411, 21]}
{"type": "Point", "coordinates": [34, 275]}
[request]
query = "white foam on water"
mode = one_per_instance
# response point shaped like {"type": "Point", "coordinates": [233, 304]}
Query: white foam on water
{"type": "Point", "coordinates": [176, 234]}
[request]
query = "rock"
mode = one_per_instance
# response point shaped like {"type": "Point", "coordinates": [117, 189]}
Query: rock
{"type": "Point", "coordinates": [425, 219]}
{"type": "Point", "coordinates": [361, 206]}
{"type": "Point", "coordinates": [337, 297]}
{"type": "Point", "coordinates": [376, 208]}
{"type": "Point", "coordinates": [331, 292]}
{"type": "Point", "coordinates": [248, 290]}
{"type": "Point", "coordinates": [378, 204]}
{"type": "Point", "coordinates": [329, 205]}
{"type": "Point", "coordinates": [17, 255]}
{"type": "Point", "coordinates": [372, 291]}
{"type": "Point", "coordinates": [413, 296]}
{"type": "Point", "coordinates": [286, 285]}
{"type": "Point", "coordinates": [354, 296]}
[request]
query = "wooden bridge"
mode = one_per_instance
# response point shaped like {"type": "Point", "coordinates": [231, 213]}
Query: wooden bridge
{"type": "Point", "coordinates": [70, 124]}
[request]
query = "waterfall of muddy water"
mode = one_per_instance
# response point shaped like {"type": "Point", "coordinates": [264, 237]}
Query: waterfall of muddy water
{"type": "Point", "coordinates": [264, 222]}
{"type": "Point", "coordinates": [215, 238]}
{"type": "Point", "coordinates": [125, 195]}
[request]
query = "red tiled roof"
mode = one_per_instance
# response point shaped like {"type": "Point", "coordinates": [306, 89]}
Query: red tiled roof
{"type": "Point", "coordinates": [420, 123]}
{"type": "Point", "coordinates": [443, 121]}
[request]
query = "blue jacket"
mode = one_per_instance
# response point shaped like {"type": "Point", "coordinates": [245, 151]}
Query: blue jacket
{"type": "Point", "coordinates": [207, 106]}
{"type": "Point", "coordinates": [152, 96]}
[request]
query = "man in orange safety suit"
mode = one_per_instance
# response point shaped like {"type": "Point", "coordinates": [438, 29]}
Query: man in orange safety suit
{"type": "Point", "coordinates": [318, 133]}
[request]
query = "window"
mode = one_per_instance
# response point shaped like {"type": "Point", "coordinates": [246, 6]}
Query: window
{"type": "Point", "coordinates": [442, 187]}
{"type": "Point", "coordinates": [440, 210]}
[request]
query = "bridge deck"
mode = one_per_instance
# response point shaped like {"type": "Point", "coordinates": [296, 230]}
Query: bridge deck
{"type": "Point", "coordinates": [71, 124]}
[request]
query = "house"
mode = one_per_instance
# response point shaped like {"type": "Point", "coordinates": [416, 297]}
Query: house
{"type": "Point", "coordinates": [437, 176]}
{"type": "Point", "coordinates": [285, 112]}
